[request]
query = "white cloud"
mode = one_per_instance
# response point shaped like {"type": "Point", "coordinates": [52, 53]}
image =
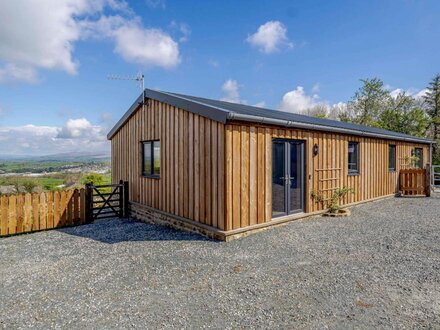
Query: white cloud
{"type": "Point", "coordinates": [148, 47]}
{"type": "Point", "coordinates": [106, 117]}
{"type": "Point", "coordinates": [230, 90]}
{"type": "Point", "coordinates": [297, 100]}
{"type": "Point", "coordinates": [42, 35]}
{"type": "Point", "coordinates": [76, 128]}
{"type": "Point", "coordinates": [134, 43]}
{"type": "Point", "coordinates": [183, 29]}
{"type": "Point", "coordinates": [186, 32]}
{"type": "Point", "coordinates": [316, 88]}
{"type": "Point", "coordinates": [104, 27]}
{"type": "Point", "coordinates": [156, 3]}
{"type": "Point", "coordinates": [77, 135]}
{"type": "Point", "coordinates": [416, 93]}
{"type": "Point", "coordinates": [270, 37]}
{"type": "Point", "coordinates": [14, 73]}
{"type": "Point", "coordinates": [214, 63]}
{"type": "Point", "coordinates": [395, 92]}
{"type": "Point", "coordinates": [421, 93]}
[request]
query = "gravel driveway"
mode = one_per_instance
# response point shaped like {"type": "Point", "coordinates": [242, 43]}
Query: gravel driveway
{"type": "Point", "coordinates": [378, 268]}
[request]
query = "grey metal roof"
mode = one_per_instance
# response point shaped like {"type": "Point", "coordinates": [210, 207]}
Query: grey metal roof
{"type": "Point", "coordinates": [226, 111]}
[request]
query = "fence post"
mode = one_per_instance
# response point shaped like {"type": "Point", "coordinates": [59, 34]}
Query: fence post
{"type": "Point", "coordinates": [428, 180]}
{"type": "Point", "coordinates": [121, 198]}
{"type": "Point", "coordinates": [126, 199]}
{"type": "Point", "coordinates": [89, 202]}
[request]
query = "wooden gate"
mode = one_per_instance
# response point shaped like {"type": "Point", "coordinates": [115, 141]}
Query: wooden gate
{"type": "Point", "coordinates": [107, 201]}
{"type": "Point", "coordinates": [413, 182]}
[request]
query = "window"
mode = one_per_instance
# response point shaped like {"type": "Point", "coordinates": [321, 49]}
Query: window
{"type": "Point", "coordinates": [151, 158]}
{"type": "Point", "coordinates": [391, 157]}
{"type": "Point", "coordinates": [353, 158]}
{"type": "Point", "coordinates": [418, 152]}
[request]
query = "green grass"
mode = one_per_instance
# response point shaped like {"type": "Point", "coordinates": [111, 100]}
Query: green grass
{"type": "Point", "coordinates": [107, 178]}
{"type": "Point", "coordinates": [22, 167]}
{"type": "Point", "coordinates": [50, 183]}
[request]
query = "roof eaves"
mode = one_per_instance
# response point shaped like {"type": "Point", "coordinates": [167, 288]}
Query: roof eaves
{"type": "Point", "coordinates": [125, 117]}
{"type": "Point", "coordinates": [289, 123]}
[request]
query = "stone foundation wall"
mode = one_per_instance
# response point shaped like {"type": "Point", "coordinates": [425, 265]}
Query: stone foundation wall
{"type": "Point", "coordinates": [150, 215]}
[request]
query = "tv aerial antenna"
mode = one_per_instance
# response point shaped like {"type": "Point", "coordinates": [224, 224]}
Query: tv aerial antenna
{"type": "Point", "coordinates": [139, 78]}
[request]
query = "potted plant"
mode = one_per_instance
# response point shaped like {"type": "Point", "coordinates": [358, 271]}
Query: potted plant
{"type": "Point", "coordinates": [333, 207]}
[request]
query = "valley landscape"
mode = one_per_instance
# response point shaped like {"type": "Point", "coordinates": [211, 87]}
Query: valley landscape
{"type": "Point", "coordinates": [53, 172]}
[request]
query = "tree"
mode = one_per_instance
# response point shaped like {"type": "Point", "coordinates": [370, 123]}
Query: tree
{"type": "Point", "coordinates": [319, 111]}
{"type": "Point", "coordinates": [337, 110]}
{"type": "Point", "coordinates": [373, 105]}
{"type": "Point", "coordinates": [95, 178]}
{"type": "Point", "coordinates": [403, 115]}
{"type": "Point", "coordinates": [432, 107]}
{"type": "Point", "coordinates": [367, 103]}
{"type": "Point", "coordinates": [326, 111]}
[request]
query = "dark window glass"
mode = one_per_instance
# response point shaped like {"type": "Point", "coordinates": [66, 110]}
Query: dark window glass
{"type": "Point", "coordinates": [418, 152]}
{"type": "Point", "coordinates": [278, 178]}
{"type": "Point", "coordinates": [151, 158]}
{"type": "Point", "coordinates": [353, 157]}
{"type": "Point", "coordinates": [392, 157]}
{"type": "Point", "coordinates": [147, 158]}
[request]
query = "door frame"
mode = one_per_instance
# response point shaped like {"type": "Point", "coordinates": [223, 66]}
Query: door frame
{"type": "Point", "coordinates": [303, 144]}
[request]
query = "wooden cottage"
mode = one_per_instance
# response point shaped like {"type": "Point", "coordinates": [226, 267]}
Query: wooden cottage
{"type": "Point", "coordinates": [223, 169]}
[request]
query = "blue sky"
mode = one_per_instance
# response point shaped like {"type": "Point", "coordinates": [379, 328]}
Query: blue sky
{"type": "Point", "coordinates": [55, 58]}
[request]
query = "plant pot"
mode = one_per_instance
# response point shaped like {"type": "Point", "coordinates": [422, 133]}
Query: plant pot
{"type": "Point", "coordinates": [338, 213]}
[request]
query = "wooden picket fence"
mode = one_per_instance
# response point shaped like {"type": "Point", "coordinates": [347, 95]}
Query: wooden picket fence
{"type": "Point", "coordinates": [414, 182]}
{"type": "Point", "coordinates": [23, 213]}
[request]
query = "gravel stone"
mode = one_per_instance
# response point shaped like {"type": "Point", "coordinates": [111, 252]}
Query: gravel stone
{"type": "Point", "coordinates": [378, 268]}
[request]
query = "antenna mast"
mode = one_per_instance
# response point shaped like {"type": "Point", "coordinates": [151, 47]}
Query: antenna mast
{"type": "Point", "coordinates": [139, 78]}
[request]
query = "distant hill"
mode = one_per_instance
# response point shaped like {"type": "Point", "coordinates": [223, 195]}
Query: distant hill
{"type": "Point", "coordinates": [61, 157]}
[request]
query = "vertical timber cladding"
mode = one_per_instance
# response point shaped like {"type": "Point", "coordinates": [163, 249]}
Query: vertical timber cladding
{"type": "Point", "coordinates": [191, 183]}
{"type": "Point", "coordinates": [221, 175]}
{"type": "Point", "coordinates": [248, 152]}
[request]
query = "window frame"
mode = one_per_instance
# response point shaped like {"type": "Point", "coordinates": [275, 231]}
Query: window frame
{"type": "Point", "coordinates": [351, 171]}
{"type": "Point", "coordinates": [394, 167]}
{"type": "Point", "coordinates": [152, 173]}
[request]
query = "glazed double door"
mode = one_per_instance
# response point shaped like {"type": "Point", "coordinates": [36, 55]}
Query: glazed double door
{"type": "Point", "coordinates": [287, 177]}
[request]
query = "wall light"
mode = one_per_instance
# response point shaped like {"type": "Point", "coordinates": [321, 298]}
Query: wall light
{"type": "Point", "coordinates": [315, 149]}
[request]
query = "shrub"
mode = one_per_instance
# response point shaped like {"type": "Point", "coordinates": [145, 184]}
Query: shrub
{"type": "Point", "coordinates": [94, 178]}
{"type": "Point", "coordinates": [29, 185]}
{"type": "Point", "coordinates": [333, 203]}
